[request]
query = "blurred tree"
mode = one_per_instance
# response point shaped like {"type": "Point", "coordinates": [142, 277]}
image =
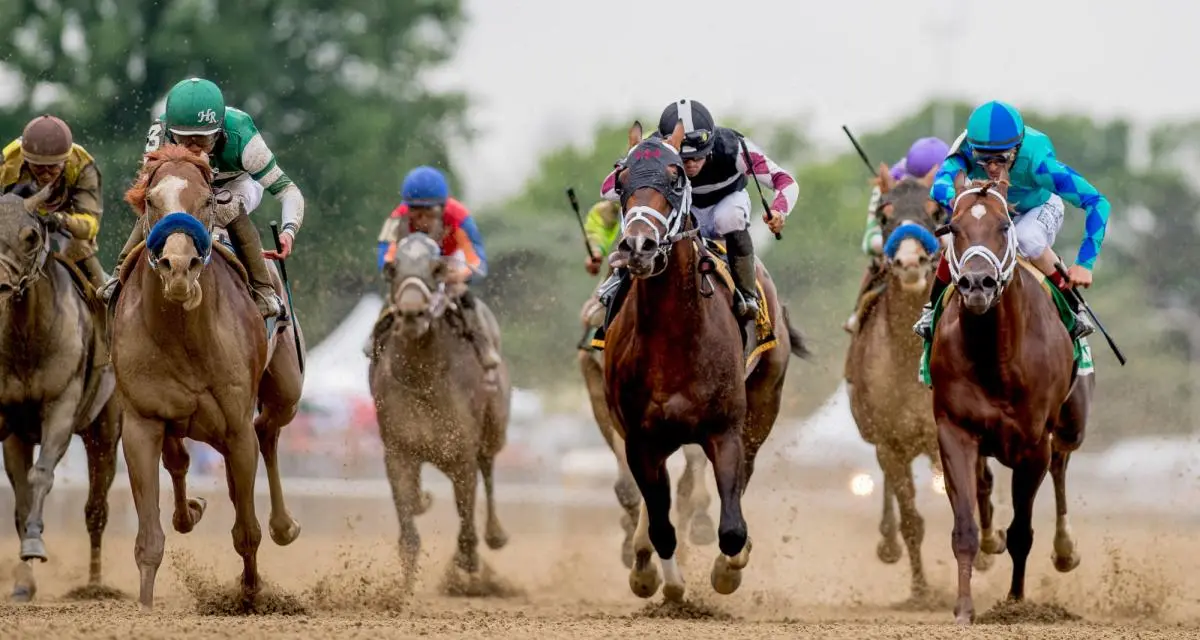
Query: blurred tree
{"type": "Point", "coordinates": [336, 89]}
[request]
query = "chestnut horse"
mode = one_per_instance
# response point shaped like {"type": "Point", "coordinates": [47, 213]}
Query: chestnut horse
{"type": "Point", "coordinates": [193, 359]}
{"type": "Point", "coordinates": [675, 370]}
{"type": "Point", "coordinates": [1004, 386]}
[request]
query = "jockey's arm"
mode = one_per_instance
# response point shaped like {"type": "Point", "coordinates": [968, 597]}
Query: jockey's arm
{"type": "Point", "coordinates": [470, 242]}
{"type": "Point", "coordinates": [942, 190]}
{"type": "Point", "coordinates": [601, 226]}
{"type": "Point", "coordinates": [872, 242]}
{"type": "Point", "coordinates": [85, 206]}
{"type": "Point", "coordinates": [259, 162]}
{"type": "Point", "coordinates": [388, 236]}
{"type": "Point", "coordinates": [1056, 177]}
{"type": "Point", "coordinates": [770, 175]}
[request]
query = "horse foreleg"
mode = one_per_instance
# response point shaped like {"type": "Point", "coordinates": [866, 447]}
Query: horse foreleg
{"type": "Point", "coordinates": [284, 528]}
{"type": "Point", "coordinates": [466, 558]}
{"type": "Point", "coordinates": [241, 462]}
{"type": "Point", "coordinates": [1026, 479]}
{"type": "Point", "coordinates": [694, 499]}
{"type": "Point", "coordinates": [494, 534]}
{"type": "Point", "coordinates": [404, 476]}
{"type": "Point", "coordinates": [56, 437]}
{"type": "Point", "coordinates": [991, 540]}
{"type": "Point", "coordinates": [960, 453]}
{"type": "Point", "coordinates": [142, 443]}
{"type": "Point", "coordinates": [175, 458]}
{"type": "Point", "coordinates": [100, 442]}
{"type": "Point", "coordinates": [654, 523]}
{"type": "Point", "coordinates": [725, 451]}
{"type": "Point", "coordinates": [888, 550]}
{"type": "Point", "coordinates": [1065, 556]}
{"type": "Point", "coordinates": [912, 525]}
{"type": "Point", "coordinates": [18, 458]}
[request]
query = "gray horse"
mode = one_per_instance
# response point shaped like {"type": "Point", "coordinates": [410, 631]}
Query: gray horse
{"type": "Point", "coordinates": [433, 405]}
{"type": "Point", "coordinates": [55, 381]}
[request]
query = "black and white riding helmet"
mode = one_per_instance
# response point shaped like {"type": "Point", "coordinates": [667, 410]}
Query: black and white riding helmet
{"type": "Point", "coordinates": [698, 127]}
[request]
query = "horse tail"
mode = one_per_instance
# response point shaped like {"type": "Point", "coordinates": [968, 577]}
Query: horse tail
{"type": "Point", "coordinates": [799, 348]}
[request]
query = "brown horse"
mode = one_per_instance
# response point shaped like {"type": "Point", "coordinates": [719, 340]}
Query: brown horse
{"type": "Point", "coordinates": [56, 381]}
{"type": "Point", "coordinates": [434, 406]}
{"type": "Point", "coordinates": [1004, 386]}
{"type": "Point", "coordinates": [691, 490]}
{"type": "Point", "coordinates": [193, 359]}
{"type": "Point", "coordinates": [675, 368]}
{"type": "Point", "coordinates": [890, 406]}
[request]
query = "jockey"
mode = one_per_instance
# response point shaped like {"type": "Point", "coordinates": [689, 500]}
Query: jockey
{"type": "Point", "coordinates": [715, 163]}
{"type": "Point", "coordinates": [602, 226]}
{"type": "Point", "coordinates": [428, 208]}
{"type": "Point", "coordinates": [997, 138]}
{"type": "Point", "coordinates": [923, 156]}
{"type": "Point", "coordinates": [46, 154]}
{"type": "Point", "coordinates": [196, 117]}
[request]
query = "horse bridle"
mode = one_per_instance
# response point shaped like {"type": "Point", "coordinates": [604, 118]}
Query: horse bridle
{"type": "Point", "coordinates": [35, 269]}
{"type": "Point", "coordinates": [209, 224]}
{"type": "Point", "coordinates": [1002, 266]}
{"type": "Point", "coordinates": [672, 222]}
{"type": "Point", "coordinates": [438, 299]}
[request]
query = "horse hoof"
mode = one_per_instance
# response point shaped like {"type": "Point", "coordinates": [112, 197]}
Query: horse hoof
{"type": "Point", "coordinates": [889, 551]}
{"type": "Point", "coordinates": [994, 544]}
{"type": "Point", "coordinates": [643, 577]}
{"type": "Point", "coordinates": [983, 561]}
{"type": "Point", "coordinates": [739, 562]}
{"type": "Point", "coordinates": [1065, 564]}
{"type": "Point", "coordinates": [22, 594]}
{"type": "Point", "coordinates": [703, 531]}
{"type": "Point", "coordinates": [673, 592]}
{"type": "Point", "coordinates": [725, 579]}
{"type": "Point", "coordinates": [496, 539]}
{"type": "Point", "coordinates": [33, 549]}
{"type": "Point", "coordinates": [424, 503]}
{"type": "Point", "coordinates": [283, 536]}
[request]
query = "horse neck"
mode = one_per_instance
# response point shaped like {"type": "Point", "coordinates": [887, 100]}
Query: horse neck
{"type": "Point", "coordinates": [670, 301]}
{"type": "Point", "coordinates": [897, 308]}
{"type": "Point", "coordinates": [166, 318]}
{"type": "Point", "coordinates": [996, 336]}
{"type": "Point", "coordinates": [28, 320]}
{"type": "Point", "coordinates": [424, 362]}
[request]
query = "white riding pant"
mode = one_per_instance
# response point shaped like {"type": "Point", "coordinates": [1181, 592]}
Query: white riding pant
{"type": "Point", "coordinates": [731, 214]}
{"type": "Point", "coordinates": [248, 189]}
{"type": "Point", "coordinates": [1038, 227]}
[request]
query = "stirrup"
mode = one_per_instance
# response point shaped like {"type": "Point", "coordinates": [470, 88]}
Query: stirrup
{"type": "Point", "coordinates": [1083, 327]}
{"type": "Point", "coordinates": [924, 325]}
{"type": "Point", "coordinates": [745, 307]}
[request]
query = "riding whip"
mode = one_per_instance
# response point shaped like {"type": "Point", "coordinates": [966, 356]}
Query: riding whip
{"type": "Point", "coordinates": [579, 216]}
{"type": "Point", "coordinates": [857, 147]}
{"type": "Point", "coordinates": [750, 168]}
{"type": "Point", "coordinates": [1072, 291]}
{"type": "Point", "coordinates": [288, 287]}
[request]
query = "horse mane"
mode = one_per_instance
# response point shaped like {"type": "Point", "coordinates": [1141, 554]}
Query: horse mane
{"type": "Point", "coordinates": [136, 195]}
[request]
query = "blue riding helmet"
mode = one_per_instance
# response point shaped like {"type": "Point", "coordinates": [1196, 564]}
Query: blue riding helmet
{"type": "Point", "coordinates": [423, 187]}
{"type": "Point", "coordinates": [995, 126]}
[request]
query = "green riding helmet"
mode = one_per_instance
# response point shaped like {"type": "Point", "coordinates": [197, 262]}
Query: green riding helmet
{"type": "Point", "coordinates": [195, 107]}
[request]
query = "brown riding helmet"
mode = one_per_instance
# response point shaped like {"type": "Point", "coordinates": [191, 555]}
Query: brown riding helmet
{"type": "Point", "coordinates": [46, 141]}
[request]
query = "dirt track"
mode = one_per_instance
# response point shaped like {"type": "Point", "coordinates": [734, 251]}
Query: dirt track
{"type": "Point", "coordinates": [813, 574]}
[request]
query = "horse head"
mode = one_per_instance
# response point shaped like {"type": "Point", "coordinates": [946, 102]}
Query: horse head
{"type": "Point", "coordinates": [655, 199]}
{"type": "Point", "coordinates": [24, 242]}
{"type": "Point", "coordinates": [171, 194]}
{"type": "Point", "coordinates": [417, 283]}
{"type": "Point", "coordinates": [983, 253]}
{"type": "Point", "coordinates": [908, 218]}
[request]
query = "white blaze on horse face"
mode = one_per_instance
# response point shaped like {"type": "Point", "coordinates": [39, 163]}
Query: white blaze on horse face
{"type": "Point", "coordinates": [166, 195]}
{"type": "Point", "coordinates": [979, 211]}
{"type": "Point", "coordinates": [909, 253]}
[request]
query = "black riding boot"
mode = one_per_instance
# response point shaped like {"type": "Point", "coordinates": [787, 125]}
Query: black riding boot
{"type": "Point", "coordinates": [924, 325]}
{"type": "Point", "coordinates": [740, 248]}
{"type": "Point", "coordinates": [479, 336]}
{"type": "Point", "coordinates": [611, 294]}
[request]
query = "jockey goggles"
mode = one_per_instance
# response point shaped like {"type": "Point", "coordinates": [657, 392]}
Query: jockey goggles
{"type": "Point", "coordinates": [984, 157]}
{"type": "Point", "coordinates": [696, 140]}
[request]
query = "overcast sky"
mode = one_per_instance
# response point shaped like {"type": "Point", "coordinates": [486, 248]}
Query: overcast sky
{"type": "Point", "coordinates": [543, 72]}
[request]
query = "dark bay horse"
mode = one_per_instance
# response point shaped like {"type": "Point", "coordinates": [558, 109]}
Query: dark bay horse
{"type": "Point", "coordinates": [890, 406]}
{"type": "Point", "coordinates": [54, 381]}
{"type": "Point", "coordinates": [675, 371]}
{"type": "Point", "coordinates": [434, 406]}
{"type": "Point", "coordinates": [193, 359]}
{"type": "Point", "coordinates": [1004, 386]}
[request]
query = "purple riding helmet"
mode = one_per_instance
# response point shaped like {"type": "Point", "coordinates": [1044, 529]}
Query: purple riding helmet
{"type": "Point", "coordinates": [923, 155]}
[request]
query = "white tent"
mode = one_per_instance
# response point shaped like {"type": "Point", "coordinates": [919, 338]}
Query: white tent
{"type": "Point", "coordinates": [338, 365]}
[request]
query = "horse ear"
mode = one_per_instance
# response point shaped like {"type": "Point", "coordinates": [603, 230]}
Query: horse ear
{"type": "Point", "coordinates": [884, 176]}
{"type": "Point", "coordinates": [635, 134]}
{"type": "Point", "coordinates": [676, 139]}
{"type": "Point", "coordinates": [927, 179]}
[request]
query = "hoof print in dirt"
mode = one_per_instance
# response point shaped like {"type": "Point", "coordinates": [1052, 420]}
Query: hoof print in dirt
{"type": "Point", "coordinates": [482, 584]}
{"type": "Point", "coordinates": [1026, 612]}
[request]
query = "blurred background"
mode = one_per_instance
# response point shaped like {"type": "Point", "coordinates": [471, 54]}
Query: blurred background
{"type": "Point", "coordinates": [517, 101]}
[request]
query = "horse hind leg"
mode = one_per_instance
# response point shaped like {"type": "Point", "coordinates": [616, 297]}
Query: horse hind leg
{"type": "Point", "coordinates": [630, 500]}
{"type": "Point", "coordinates": [1026, 480]}
{"type": "Point", "coordinates": [1065, 557]}
{"type": "Point", "coordinates": [142, 443]}
{"type": "Point", "coordinates": [18, 458]}
{"type": "Point", "coordinates": [726, 454]}
{"type": "Point", "coordinates": [494, 534]}
{"type": "Point", "coordinates": [992, 541]}
{"type": "Point", "coordinates": [188, 511]}
{"type": "Point", "coordinates": [100, 443]}
{"type": "Point", "coordinates": [694, 499]}
{"type": "Point", "coordinates": [284, 528]}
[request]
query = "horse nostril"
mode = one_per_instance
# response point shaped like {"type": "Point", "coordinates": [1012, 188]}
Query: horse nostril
{"type": "Point", "coordinates": [194, 263]}
{"type": "Point", "coordinates": [164, 263]}
{"type": "Point", "coordinates": [965, 283]}
{"type": "Point", "coordinates": [988, 283]}
{"type": "Point", "coordinates": [6, 287]}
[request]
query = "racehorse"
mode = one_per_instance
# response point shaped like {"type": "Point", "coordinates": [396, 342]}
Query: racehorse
{"type": "Point", "coordinates": [1004, 385]}
{"type": "Point", "coordinates": [433, 406]}
{"type": "Point", "coordinates": [56, 381]}
{"type": "Point", "coordinates": [691, 491]}
{"type": "Point", "coordinates": [890, 406]}
{"type": "Point", "coordinates": [675, 367]}
{"type": "Point", "coordinates": [193, 359]}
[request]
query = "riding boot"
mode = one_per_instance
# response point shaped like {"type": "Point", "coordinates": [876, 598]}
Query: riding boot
{"type": "Point", "coordinates": [852, 323]}
{"type": "Point", "coordinates": [739, 246]}
{"type": "Point", "coordinates": [924, 325]}
{"type": "Point", "coordinates": [480, 337]}
{"type": "Point", "coordinates": [136, 236]}
{"type": "Point", "coordinates": [1083, 324]}
{"type": "Point", "coordinates": [611, 294]}
{"type": "Point", "coordinates": [248, 247]}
